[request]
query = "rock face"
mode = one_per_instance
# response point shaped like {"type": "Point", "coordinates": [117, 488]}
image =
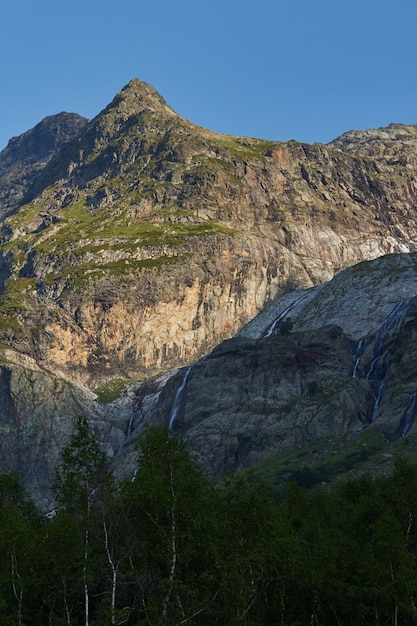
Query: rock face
{"type": "Point", "coordinates": [27, 155]}
{"type": "Point", "coordinates": [345, 365]}
{"type": "Point", "coordinates": [342, 370]}
{"type": "Point", "coordinates": [37, 411]}
{"type": "Point", "coordinates": [145, 240]}
{"type": "Point", "coordinates": [134, 244]}
{"type": "Point", "coordinates": [251, 398]}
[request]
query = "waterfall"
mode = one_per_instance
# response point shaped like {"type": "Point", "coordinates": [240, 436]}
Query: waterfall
{"type": "Point", "coordinates": [407, 419]}
{"type": "Point", "coordinates": [371, 375]}
{"type": "Point", "coordinates": [130, 425]}
{"type": "Point", "coordinates": [358, 356]}
{"type": "Point", "coordinates": [383, 331]}
{"type": "Point", "coordinates": [178, 398]}
{"type": "Point", "coordinates": [377, 401]}
{"type": "Point", "coordinates": [409, 415]}
{"type": "Point", "coordinates": [375, 378]}
{"type": "Point", "coordinates": [281, 316]}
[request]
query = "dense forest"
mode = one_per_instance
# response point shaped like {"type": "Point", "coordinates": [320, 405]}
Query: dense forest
{"type": "Point", "coordinates": [171, 547]}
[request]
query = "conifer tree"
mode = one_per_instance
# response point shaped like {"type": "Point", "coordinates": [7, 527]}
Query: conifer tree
{"type": "Point", "coordinates": [81, 484]}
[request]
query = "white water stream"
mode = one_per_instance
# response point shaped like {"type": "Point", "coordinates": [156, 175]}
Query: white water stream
{"type": "Point", "coordinates": [358, 356]}
{"type": "Point", "coordinates": [178, 398]}
{"type": "Point", "coordinates": [375, 373]}
{"type": "Point", "coordinates": [409, 415]}
{"type": "Point", "coordinates": [130, 425]}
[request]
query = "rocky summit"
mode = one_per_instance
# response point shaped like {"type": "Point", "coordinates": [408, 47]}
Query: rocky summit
{"type": "Point", "coordinates": [137, 244]}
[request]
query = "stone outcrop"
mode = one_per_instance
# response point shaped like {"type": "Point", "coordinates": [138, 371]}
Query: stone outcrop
{"type": "Point", "coordinates": [346, 366]}
{"type": "Point", "coordinates": [251, 398]}
{"type": "Point", "coordinates": [343, 366]}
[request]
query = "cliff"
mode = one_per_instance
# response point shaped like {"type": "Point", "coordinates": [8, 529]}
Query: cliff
{"type": "Point", "coordinates": [336, 370]}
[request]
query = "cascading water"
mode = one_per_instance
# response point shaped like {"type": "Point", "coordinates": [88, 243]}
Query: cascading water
{"type": "Point", "coordinates": [389, 323]}
{"type": "Point", "coordinates": [130, 426]}
{"type": "Point", "coordinates": [178, 398]}
{"type": "Point", "coordinates": [375, 373]}
{"type": "Point", "coordinates": [407, 419]}
{"type": "Point", "coordinates": [374, 377]}
{"type": "Point", "coordinates": [377, 401]}
{"type": "Point", "coordinates": [282, 315]}
{"type": "Point", "coordinates": [358, 356]}
{"type": "Point", "coordinates": [409, 415]}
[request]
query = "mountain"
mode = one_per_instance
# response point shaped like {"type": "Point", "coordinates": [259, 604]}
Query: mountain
{"type": "Point", "coordinates": [145, 241]}
{"type": "Point", "coordinates": [26, 156]}
{"type": "Point", "coordinates": [137, 243]}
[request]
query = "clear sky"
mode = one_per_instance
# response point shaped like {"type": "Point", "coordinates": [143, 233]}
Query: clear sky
{"type": "Point", "coordinates": [296, 69]}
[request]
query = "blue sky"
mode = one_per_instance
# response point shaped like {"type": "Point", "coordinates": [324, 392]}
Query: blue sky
{"type": "Point", "coordinates": [300, 69]}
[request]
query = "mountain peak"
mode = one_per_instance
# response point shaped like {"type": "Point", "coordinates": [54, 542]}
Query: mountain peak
{"type": "Point", "coordinates": [136, 97]}
{"type": "Point", "coordinates": [139, 88]}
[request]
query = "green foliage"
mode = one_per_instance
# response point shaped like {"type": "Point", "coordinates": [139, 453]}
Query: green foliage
{"type": "Point", "coordinates": [19, 535]}
{"type": "Point", "coordinates": [8, 323]}
{"type": "Point", "coordinates": [11, 301]}
{"type": "Point", "coordinates": [171, 547]}
{"type": "Point", "coordinates": [76, 275]}
{"type": "Point", "coordinates": [82, 474]}
{"type": "Point", "coordinates": [26, 214]}
{"type": "Point", "coordinates": [174, 505]}
{"type": "Point", "coordinates": [111, 390]}
{"type": "Point", "coordinates": [328, 462]}
{"type": "Point", "coordinates": [77, 244]}
{"type": "Point", "coordinates": [245, 148]}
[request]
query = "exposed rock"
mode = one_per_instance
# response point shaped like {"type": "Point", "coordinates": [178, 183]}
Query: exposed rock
{"type": "Point", "coordinates": [149, 240]}
{"type": "Point", "coordinates": [25, 156]}
{"type": "Point", "coordinates": [132, 245]}
{"type": "Point", "coordinates": [249, 398]}
{"type": "Point", "coordinates": [358, 299]}
{"type": "Point", "coordinates": [256, 395]}
{"type": "Point", "coordinates": [259, 394]}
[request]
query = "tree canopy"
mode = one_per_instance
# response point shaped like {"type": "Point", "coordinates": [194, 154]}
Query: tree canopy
{"type": "Point", "coordinates": [172, 547]}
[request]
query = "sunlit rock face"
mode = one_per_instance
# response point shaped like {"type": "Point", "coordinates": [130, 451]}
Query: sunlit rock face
{"type": "Point", "coordinates": [143, 240]}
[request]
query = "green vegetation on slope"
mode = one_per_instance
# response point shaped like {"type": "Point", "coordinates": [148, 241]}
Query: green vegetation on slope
{"type": "Point", "coordinates": [111, 390]}
{"type": "Point", "coordinates": [327, 462]}
{"type": "Point", "coordinates": [83, 243]}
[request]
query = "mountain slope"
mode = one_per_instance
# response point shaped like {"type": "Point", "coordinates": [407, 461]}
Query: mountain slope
{"type": "Point", "coordinates": [331, 390]}
{"type": "Point", "coordinates": [148, 240]}
{"type": "Point", "coordinates": [136, 243]}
